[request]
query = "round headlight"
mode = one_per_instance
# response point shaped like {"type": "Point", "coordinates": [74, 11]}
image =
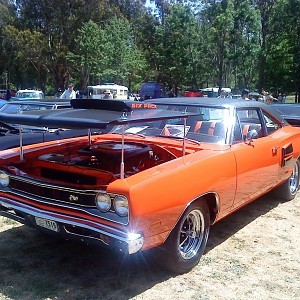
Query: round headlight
{"type": "Point", "coordinates": [121, 206]}
{"type": "Point", "coordinates": [4, 180]}
{"type": "Point", "coordinates": [103, 202]}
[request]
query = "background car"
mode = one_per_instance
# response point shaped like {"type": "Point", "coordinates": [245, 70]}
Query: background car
{"type": "Point", "coordinates": [289, 111]}
{"type": "Point", "coordinates": [2, 102]}
{"type": "Point", "coordinates": [29, 95]}
{"type": "Point", "coordinates": [9, 133]}
{"type": "Point", "coordinates": [18, 106]}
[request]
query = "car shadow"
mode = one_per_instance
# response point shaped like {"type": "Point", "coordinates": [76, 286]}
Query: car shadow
{"type": "Point", "coordinates": [44, 267]}
{"type": "Point", "coordinates": [228, 226]}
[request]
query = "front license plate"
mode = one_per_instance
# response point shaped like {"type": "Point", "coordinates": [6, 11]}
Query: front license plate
{"type": "Point", "coordinates": [51, 225]}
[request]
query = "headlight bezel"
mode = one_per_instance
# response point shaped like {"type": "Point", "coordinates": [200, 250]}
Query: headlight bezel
{"type": "Point", "coordinates": [119, 207]}
{"type": "Point", "coordinates": [106, 199]}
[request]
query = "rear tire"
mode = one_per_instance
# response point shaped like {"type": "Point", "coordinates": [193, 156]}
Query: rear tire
{"type": "Point", "coordinates": [288, 190]}
{"type": "Point", "coordinates": [185, 245]}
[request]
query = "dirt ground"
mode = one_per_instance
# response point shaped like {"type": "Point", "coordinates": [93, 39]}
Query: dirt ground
{"type": "Point", "coordinates": [253, 254]}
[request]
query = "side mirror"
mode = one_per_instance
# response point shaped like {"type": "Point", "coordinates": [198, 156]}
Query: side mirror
{"type": "Point", "coordinates": [252, 135]}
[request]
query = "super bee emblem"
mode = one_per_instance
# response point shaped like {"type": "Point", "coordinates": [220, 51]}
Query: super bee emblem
{"type": "Point", "coordinates": [73, 198]}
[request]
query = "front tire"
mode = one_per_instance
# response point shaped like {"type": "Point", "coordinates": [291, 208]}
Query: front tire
{"type": "Point", "coordinates": [288, 190]}
{"type": "Point", "coordinates": [186, 243]}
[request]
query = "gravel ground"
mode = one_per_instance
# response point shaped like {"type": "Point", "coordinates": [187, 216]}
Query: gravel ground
{"type": "Point", "coordinates": [252, 254]}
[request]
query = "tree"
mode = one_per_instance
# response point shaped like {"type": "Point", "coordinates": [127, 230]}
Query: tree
{"type": "Point", "coordinates": [244, 45]}
{"type": "Point", "coordinates": [108, 53]}
{"type": "Point", "coordinates": [219, 23]}
{"type": "Point", "coordinates": [178, 49]}
{"type": "Point", "coordinates": [265, 8]}
{"type": "Point", "coordinates": [88, 58]}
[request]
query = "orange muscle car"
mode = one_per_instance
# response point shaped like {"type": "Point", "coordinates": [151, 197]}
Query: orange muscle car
{"type": "Point", "coordinates": [165, 172]}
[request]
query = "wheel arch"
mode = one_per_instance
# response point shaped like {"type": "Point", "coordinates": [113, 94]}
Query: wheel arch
{"type": "Point", "coordinates": [212, 201]}
{"type": "Point", "coordinates": [213, 204]}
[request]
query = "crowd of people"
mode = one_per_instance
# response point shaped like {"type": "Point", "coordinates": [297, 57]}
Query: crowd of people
{"type": "Point", "coordinates": [263, 97]}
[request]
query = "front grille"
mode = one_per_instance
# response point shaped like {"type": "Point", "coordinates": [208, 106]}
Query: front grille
{"type": "Point", "coordinates": [68, 176]}
{"type": "Point", "coordinates": [53, 193]}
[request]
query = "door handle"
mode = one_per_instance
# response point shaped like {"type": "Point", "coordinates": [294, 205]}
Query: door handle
{"type": "Point", "coordinates": [275, 150]}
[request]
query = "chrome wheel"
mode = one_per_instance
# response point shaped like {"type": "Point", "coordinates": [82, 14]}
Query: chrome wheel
{"type": "Point", "coordinates": [186, 243]}
{"type": "Point", "coordinates": [294, 180]}
{"type": "Point", "coordinates": [289, 188]}
{"type": "Point", "coordinates": [192, 234]}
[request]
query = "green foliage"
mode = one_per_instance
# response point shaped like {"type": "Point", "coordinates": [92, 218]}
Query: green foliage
{"type": "Point", "coordinates": [179, 49]}
{"type": "Point", "coordinates": [107, 54]}
{"type": "Point", "coordinates": [183, 43]}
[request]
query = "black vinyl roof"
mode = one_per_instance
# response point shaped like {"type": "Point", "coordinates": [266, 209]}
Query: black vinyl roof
{"type": "Point", "coordinates": [219, 102]}
{"type": "Point", "coordinates": [91, 113]}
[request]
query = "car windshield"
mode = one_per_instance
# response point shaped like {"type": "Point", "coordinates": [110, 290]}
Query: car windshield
{"type": "Point", "coordinates": [208, 126]}
{"type": "Point", "coordinates": [32, 95]}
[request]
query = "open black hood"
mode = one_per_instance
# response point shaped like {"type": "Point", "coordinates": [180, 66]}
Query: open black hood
{"type": "Point", "coordinates": [92, 113]}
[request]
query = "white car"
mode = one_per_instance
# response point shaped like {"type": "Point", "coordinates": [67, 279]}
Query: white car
{"type": "Point", "coordinates": [30, 95]}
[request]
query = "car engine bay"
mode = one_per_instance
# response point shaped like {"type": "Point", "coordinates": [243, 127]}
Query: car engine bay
{"type": "Point", "coordinates": [94, 165]}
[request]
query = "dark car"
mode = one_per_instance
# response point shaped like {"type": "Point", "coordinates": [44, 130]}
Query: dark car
{"type": "Point", "coordinates": [289, 111]}
{"type": "Point", "coordinates": [152, 90]}
{"type": "Point", "coordinates": [2, 102]}
{"type": "Point", "coordinates": [9, 133]}
{"type": "Point", "coordinates": [17, 106]}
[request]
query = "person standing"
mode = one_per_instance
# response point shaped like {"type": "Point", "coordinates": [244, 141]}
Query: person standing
{"type": "Point", "coordinates": [107, 95]}
{"type": "Point", "coordinates": [245, 94]}
{"type": "Point", "coordinates": [69, 93]}
{"type": "Point", "coordinates": [8, 93]}
{"type": "Point", "coordinates": [269, 99]}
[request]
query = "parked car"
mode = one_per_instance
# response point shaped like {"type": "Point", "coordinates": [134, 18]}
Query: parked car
{"type": "Point", "coordinates": [18, 106]}
{"type": "Point", "coordinates": [29, 95]}
{"type": "Point", "coordinates": [166, 172]}
{"type": "Point", "coordinates": [290, 112]}
{"type": "Point", "coordinates": [2, 102]}
{"type": "Point", "coordinates": [193, 93]}
{"type": "Point", "coordinates": [152, 90]}
{"type": "Point", "coordinates": [9, 133]}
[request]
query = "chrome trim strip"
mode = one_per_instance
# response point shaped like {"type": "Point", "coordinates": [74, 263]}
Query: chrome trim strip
{"type": "Point", "coordinates": [21, 143]}
{"type": "Point", "coordinates": [83, 236]}
{"type": "Point", "coordinates": [64, 219]}
{"type": "Point", "coordinates": [60, 204]}
{"type": "Point", "coordinates": [58, 187]}
{"type": "Point", "coordinates": [184, 137]}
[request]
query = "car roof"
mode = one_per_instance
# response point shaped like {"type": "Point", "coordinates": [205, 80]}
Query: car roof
{"type": "Point", "coordinates": [217, 102]}
{"type": "Point", "coordinates": [26, 91]}
{"type": "Point", "coordinates": [204, 101]}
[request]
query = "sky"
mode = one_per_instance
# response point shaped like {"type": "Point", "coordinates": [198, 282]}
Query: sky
{"type": "Point", "coordinates": [149, 4]}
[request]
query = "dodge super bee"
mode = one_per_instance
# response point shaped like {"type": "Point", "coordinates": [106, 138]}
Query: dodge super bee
{"type": "Point", "coordinates": [166, 171]}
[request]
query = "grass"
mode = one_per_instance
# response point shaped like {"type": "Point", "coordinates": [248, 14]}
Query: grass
{"type": "Point", "coordinates": [290, 99]}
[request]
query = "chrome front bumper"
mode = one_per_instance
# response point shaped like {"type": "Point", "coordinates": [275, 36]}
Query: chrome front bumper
{"type": "Point", "coordinates": [73, 227]}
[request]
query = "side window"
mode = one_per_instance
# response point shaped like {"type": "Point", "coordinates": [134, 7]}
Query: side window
{"type": "Point", "coordinates": [237, 132]}
{"type": "Point", "coordinates": [271, 124]}
{"type": "Point", "coordinates": [249, 123]}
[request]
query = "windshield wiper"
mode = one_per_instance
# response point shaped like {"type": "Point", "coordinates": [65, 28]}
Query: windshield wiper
{"type": "Point", "coordinates": [137, 134]}
{"type": "Point", "coordinates": [178, 138]}
{"type": "Point", "coordinates": [129, 133]}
